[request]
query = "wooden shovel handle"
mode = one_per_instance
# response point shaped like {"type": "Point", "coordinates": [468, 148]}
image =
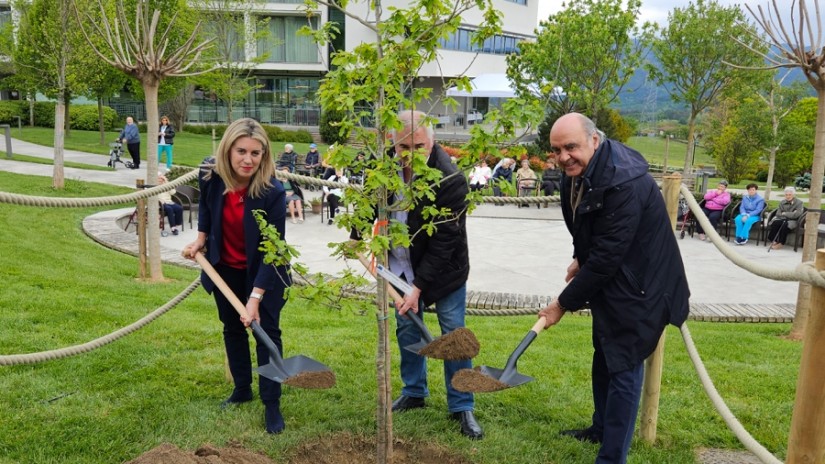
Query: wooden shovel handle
{"type": "Point", "coordinates": [218, 281]}
{"type": "Point", "coordinates": [393, 293]}
{"type": "Point", "coordinates": [539, 325]}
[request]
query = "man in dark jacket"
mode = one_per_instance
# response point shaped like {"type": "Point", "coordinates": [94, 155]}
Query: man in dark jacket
{"type": "Point", "coordinates": [435, 265]}
{"type": "Point", "coordinates": [626, 265]}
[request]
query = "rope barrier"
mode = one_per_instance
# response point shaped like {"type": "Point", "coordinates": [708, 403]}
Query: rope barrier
{"type": "Point", "coordinates": [719, 403]}
{"type": "Point", "coordinates": [32, 358]}
{"type": "Point", "coordinates": [805, 272]}
{"type": "Point", "coordinates": [53, 202]}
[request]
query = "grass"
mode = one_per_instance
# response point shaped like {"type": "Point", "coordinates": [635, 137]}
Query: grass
{"type": "Point", "coordinates": [47, 161]}
{"type": "Point", "coordinates": [189, 149]}
{"type": "Point", "coordinates": [653, 149]}
{"type": "Point", "coordinates": [164, 383]}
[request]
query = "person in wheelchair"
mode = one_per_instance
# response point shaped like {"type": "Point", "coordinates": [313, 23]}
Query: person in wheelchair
{"type": "Point", "coordinates": [172, 210]}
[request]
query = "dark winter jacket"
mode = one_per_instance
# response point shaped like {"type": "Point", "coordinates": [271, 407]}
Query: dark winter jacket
{"type": "Point", "coordinates": [169, 136]}
{"type": "Point", "coordinates": [441, 261]}
{"type": "Point", "coordinates": [631, 270]}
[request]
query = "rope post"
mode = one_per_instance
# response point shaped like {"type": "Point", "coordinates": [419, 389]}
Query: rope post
{"type": "Point", "coordinates": [141, 229]}
{"type": "Point", "coordinates": [806, 441]}
{"type": "Point", "coordinates": [653, 365]}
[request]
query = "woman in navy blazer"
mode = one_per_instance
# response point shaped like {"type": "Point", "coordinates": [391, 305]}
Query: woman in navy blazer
{"type": "Point", "coordinates": [240, 182]}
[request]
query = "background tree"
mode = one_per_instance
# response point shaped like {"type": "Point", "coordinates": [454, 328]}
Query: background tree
{"type": "Point", "coordinates": [590, 49]}
{"type": "Point", "coordinates": [797, 45]}
{"type": "Point", "coordinates": [796, 139]}
{"type": "Point", "coordinates": [692, 50]}
{"type": "Point", "coordinates": [150, 50]}
{"type": "Point", "coordinates": [46, 57]}
{"type": "Point", "coordinates": [236, 31]}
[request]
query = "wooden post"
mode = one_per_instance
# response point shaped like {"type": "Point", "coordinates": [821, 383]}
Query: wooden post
{"type": "Point", "coordinates": [141, 229]}
{"type": "Point", "coordinates": [654, 364]}
{"type": "Point", "coordinates": [667, 152]}
{"type": "Point", "coordinates": [806, 441]}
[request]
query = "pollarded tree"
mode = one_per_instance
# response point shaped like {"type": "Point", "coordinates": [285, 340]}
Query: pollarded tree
{"type": "Point", "coordinates": [150, 51]}
{"type": "Point", "coordinates": [590, 49]}
{"type": "Point", "coordinates": [692, 51]}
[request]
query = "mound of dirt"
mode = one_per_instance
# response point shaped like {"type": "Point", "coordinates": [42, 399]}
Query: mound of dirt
{"type": "Point", "coordinates": [336, 449]}
{"type": "Point", "coordinates": [168, 453]}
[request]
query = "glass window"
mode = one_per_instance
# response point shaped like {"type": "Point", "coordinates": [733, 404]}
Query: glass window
{"type": "Point", "coordinates": [284, 45]}
{"type": "Point", "coordinates": [464, 40]}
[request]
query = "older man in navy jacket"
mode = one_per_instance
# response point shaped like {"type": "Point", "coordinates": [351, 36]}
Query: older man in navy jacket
{"type": "Point", "coordinates": [626, 265]}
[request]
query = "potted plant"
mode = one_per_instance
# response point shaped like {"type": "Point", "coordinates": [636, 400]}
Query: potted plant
{"type": "Point", "coordinates": [315, 202]}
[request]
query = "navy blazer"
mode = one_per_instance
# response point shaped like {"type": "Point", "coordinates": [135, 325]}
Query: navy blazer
{"type": "Point", "coordinates": [210, 214]}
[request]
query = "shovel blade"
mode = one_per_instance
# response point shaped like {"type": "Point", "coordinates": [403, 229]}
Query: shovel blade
{"type": "Point", "coordinates": [511, 377]}
{"type": "Point", "coordinates": [297, 364]}
{"type": "Point", "coordinates": [416, 347]}
{"type": "Point", "coordinates": [271, 372]}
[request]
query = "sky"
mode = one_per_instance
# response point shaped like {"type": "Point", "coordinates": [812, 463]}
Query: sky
{"type": "Point", "coordinates": [657, 10]}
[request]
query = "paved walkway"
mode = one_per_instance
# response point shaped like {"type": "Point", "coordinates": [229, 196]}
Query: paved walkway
{"type": "Point", "coordinates": [519, 254]}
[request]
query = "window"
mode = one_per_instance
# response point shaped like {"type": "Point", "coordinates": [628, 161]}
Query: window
{"type": "Point", "coordinates": [499, 44]}
{"type": "Point", "coordinates": [284, 45]}
{"type": "Point", "coordinates": [520, 2]}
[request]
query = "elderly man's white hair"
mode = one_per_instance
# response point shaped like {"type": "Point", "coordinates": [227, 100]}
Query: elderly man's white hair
{"type": "Point", "coordinates": [415, 119]}
{"type": "Point", "coordinates": [790, 190]}
{"type": "Point", "coordinates": [288, 146]}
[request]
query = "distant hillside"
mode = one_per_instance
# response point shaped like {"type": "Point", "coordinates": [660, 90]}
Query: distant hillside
{"type": "Point", "coordinates": [643, 100]}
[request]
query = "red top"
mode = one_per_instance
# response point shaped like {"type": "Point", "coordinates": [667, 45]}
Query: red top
{"type": "Point", "coordinates": [233, 253]}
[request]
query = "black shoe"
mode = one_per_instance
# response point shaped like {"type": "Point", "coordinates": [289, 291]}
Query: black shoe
{"type": "Point", "coordinates": [469, 425]}
{"type": "Point", "coordinates": [273, 419]}
{"type": "Point", "coordinates": [238, 396]}
{"type": "Point", "coordinates": [589, 435]}
{"type": "Point", "coordinates": [174, 231]}
{"type": "Point", "coordinates": [329, 223]}
{"type": "Point", "coordinates": [404, 403]}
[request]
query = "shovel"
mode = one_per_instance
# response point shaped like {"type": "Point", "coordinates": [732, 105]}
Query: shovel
{"type": "Point", "coordinates": [458, 345]}
{"type": "Point", "coordinates": [297, 371]}
{"type": "Point", "coordinates": [489, 379]}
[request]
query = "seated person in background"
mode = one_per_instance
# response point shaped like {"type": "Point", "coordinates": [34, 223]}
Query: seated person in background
{"type": "Point", "coordinates": [312, 163]}
{"type": "Point", "coordinates": [504, 173]}
{"type": "Point", "coordinates": [172, 210]}
{"type": "Point", "coordinates": [334, 194]}
{"type": "Point", "coordinates": [294, 198]}
{"type": "Point", "coordinates": [502, 162]}
{"type": "Point", "coordinates": [526, 178]}
{"type": "Point", "coordinates": [288, 158]}
{"type": "Point", "coordinates": [479, 176]}
{"type": "Point", "coordinates": [357, 169]}
{"type": "Point", "coordinates": [715, 202]}
{"type": "Point", "coordinates": [749, 211]}
{"type": "Point", "coordinates": [786, 218]}
{"type": "Point", "coordinates": [550, 178]}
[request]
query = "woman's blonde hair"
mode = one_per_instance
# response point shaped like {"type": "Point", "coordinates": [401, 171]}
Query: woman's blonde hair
{"type": "Point", "coordinates": [240, 128]}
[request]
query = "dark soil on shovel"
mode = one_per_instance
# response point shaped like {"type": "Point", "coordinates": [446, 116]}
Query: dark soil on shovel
{"type": "Point", "coordinates": [320, 379]}
{"type": "Point", "coordinates": [338, 449]}
{"type": "Point", "coordinates": [473, 381]}
{"type": "Point", "coordinates": [457, 345]}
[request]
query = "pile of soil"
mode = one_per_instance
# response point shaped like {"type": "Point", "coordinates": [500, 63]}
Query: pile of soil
{"type": "Point", "coordinates": [336, 449]}
{"type": "Point", "coordinates": [473, 381]}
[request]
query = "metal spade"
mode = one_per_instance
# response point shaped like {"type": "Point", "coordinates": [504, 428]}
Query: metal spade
{"type": "Point", "coordinates": [297, 371]}
{"type": "Point", "coordinates": [487, 379]}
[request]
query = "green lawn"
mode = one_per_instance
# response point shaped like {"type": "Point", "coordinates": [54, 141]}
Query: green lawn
{"type": "Point", "coordinates": [189, 149]}
{"type": "Point", "coordinates": [654, 148]}
{"type": "Point", "coordinates": [164, 383]}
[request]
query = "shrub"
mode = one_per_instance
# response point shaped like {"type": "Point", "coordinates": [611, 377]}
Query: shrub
{"type": "Point", "coordinates": [44, 114]}
{"type": "Point", "coordinates": [536, 164]}
{"type": "Point", "coordinates": [298, 136]}
{"type": "Point", "coordinates": [84, 117]}
{"type": "Point", "coordinates": [328, 128]}
{"type": "Point", "coordinates": [274, 133]}
{"type": "Point", "coordinates": [206, 129]}
{"type": "Point", "coordinates": [178, 171]}
{"type": "Point", "coordinates": [8, 111]}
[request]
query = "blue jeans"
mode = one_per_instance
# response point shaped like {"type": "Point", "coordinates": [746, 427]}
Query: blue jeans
{"type": "Point", "coordinates": [168, 150]}
{"type": "Point", "coordinates": [743, 230]}
{"type": "Point", "coordinates": [450, 312]}
{"type": "Point", "coordinates": [616, 404]}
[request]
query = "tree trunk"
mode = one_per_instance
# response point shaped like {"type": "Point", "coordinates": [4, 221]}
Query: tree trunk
{"type": "Point", "coordinates": [803, 301]}
{"type": "Point", "coordinates": [67, 100]}
{"type": "Point", "coordinates": [691, 142]}
{"type": "Point", "coordinates": [31, 110]}
{"type": "Point", "coordinates": [101, 126]}
{"type": "Point", "coordinates": [771, 169]}
{"type": "Point", "coordinates": [58, 181]}
{"type": "Point", "coordinates": [150, 90]}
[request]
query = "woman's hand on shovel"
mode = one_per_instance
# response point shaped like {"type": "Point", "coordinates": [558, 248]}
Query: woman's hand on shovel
{"type": "Point", "coordinates": [552, 313]}
{"type": "Point", "coordinates": [410, 302]}
{"type": "Point", "coordinates": [252, 313]}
